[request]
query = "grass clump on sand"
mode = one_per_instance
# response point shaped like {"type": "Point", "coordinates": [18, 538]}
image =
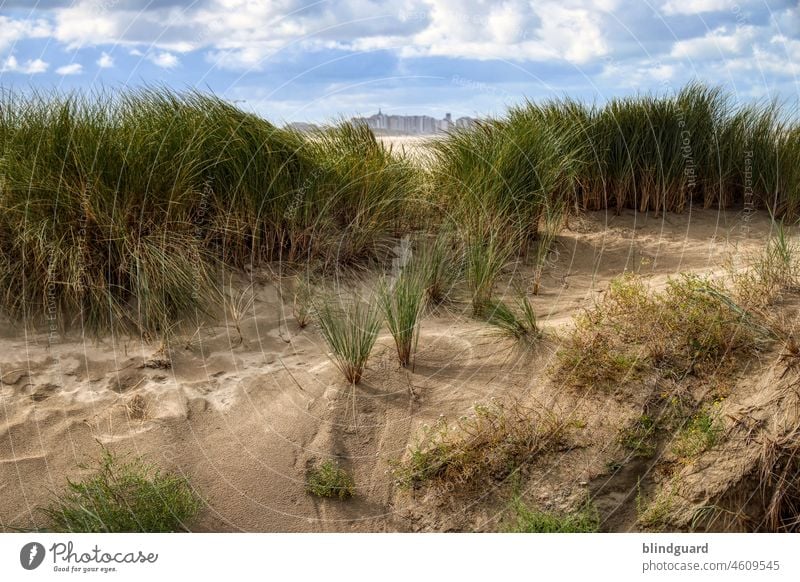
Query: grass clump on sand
{"type": "Point", "coordinates": [302, 301]}
{"type": "Point", "coordinates": [774, 272]}
{"type": "Point", "coordinates": [524, 519]}
{"type": "Point", "coordinates": [403, 303]}
{"type": "Point", "coordinates": [692, 323]}
{"type": "Point", "coordinates": [330, 480]}
{"type": "Point", "coordinates": [358, 198]}
{"type": "Point", "coordinates": [492, 443]}
{"type": "Point", "coordinates": [486, 257]}
{"type": "Point", "coordinates": [350, 328]}
{"type": "Point", "coordinates": [439, 264]}
{"type": "Point", "coordinates": [120, 496]}
{"type": "Point", "coordinates": [519, 324]}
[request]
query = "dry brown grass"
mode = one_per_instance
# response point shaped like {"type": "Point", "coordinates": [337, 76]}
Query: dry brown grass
{"type": "Point", "coordinates": [691, 324]}
{"type": "Point", "coordinates": [138, 407]}
{"type": "Point", "coordinates": [779, 481]}
{"type": "Point", "coordinates": [489, 445]}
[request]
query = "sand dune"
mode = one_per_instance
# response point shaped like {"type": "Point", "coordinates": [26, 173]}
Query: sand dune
{"type": "Point", "coordinates": [243, 420]}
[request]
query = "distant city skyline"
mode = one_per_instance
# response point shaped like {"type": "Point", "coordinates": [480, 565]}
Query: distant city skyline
{"type": "Point", "coordinates": [413, 124]}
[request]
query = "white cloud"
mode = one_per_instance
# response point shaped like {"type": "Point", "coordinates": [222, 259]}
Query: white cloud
{"type": "Point", "coordinates": [36, 66]}
{"type": "Point", "coordinates": [12, 30]}
{"type": "Point", "coordinates": [71, 69]}
{"type": "Point", "coordinates": [636, 75]}
{"type": "Point", "coordinates": [518, 31]}
{"type": "Point", "coordinates": [164, 60]}
{"type": "Point", "coordinates": [30, 67]}
{"type": "Point", "coordinates": [635, 44]}
{"type": "Point", "coordinates": [720, 42]}
{"type": "Point", "coordinates": [697, 6]}
{"type": "Point", "coordinates": [83, 25]}
{"type": "Point", "coordinates": [105, 61]}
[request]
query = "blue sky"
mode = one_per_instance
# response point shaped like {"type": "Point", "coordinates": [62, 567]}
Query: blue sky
{"type": "Point", "coordinates": [294, 60]}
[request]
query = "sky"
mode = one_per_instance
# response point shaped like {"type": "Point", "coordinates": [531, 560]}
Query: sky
{"type": "Point", "coordinates": [291, 60]}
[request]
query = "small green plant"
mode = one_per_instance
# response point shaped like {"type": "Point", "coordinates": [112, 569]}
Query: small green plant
{"type": "Point", "coordinates": [654, 514]}
{"type": "Point", "coordinates": [121, 496]}
{"type": "Point", "coordinates": [702, 432]}
{"type": "Point", "coordinates": [350, 330]}
{"type": "Point", "coordinates": [403, 302]}
{"type": "Point", "coordinates": [639, 438]}
{"type": "Point", "coordinates": [492, 443]}
{"type": "Point", "coordinates": [330, 480]}
{"type": "Point", "coordinates": [520, 325]}
{"type": "Point", "coordinates": [591, 358]}
{"type": "Point", "coordinates": [524, 519]}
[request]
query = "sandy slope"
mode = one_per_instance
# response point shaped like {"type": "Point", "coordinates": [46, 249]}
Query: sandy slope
{"type": "Point", "coordinates": [244, 420]}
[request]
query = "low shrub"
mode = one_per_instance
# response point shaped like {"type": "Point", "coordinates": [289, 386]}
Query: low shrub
{"type": "Point", "coordinates": [330, 480]}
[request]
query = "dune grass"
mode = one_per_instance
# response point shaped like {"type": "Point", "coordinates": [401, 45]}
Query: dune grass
{"type": "Point", "coordinates": [403, 303]}
{"type": "Point", "coordinates": [438, 262]}
{"type": "Point", "coordinates": [488, 252]}
{"type": "Point", "coordinates": [661, 152]}
{"type": "Point", "coordinates": [123, 496]}
{"type": "Point", "coordinates": [350, 328]}
{"type": "Point", "coordinates": [519, 324]}
{"type": "Point", "coordinates": [117, 209]}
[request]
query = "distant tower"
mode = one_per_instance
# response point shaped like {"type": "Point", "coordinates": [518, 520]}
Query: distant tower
{"type": "Point", "coordinates": [448, 118]}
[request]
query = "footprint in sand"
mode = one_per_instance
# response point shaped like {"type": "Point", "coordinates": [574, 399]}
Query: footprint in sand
{"type": "Point", "coordinates": [125, 382]}
{"type": "Point", "coordinates": [44, 392]}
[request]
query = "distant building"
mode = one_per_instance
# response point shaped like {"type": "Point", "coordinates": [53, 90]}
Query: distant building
{"type": "Point", "coordinates": [412, 124]}
{"type": "Point", "coordinates": [465, 122]}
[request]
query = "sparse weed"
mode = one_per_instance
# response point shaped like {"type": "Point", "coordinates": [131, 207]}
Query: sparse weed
{"type": "Point", "coordinates": [693, 322]}
{"type": "Point", "coordinates": [639, 438]}
{"type": "Point", "coordinates": [239, 304]}
{"type": "Point", "coordinates": [654, 514]}
{"type": "Point", "coordinates": [302, 302]}
{"type": "Point", "coordinates": [524, 519]}
{"type": "Point", "coordinates": [702, 432]}
{"type": "Point", "coordinates": [774, 272]}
